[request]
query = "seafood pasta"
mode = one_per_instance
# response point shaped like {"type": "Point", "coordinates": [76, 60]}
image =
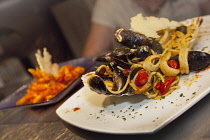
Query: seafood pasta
{"type": "Point", "coordinates": [148, 61]}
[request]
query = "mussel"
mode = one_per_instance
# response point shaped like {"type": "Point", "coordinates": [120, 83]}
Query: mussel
{"type": "Point", "coordinates": [115, 83]}
{"type": "Point", "coordinates": [197, 60]}
{"type": "Point", "coordinates": [122, 68]}
{"type": "Point", "coordinates": [123, 56]}
{"type": "Point", "coordinates": [182, 29]}
{"type": "Point", "coordinates": [119, 80]}
{"type": "Point", "coordinates": [97, 84]}
{"type": "Point", "coordinates": [131, 39]}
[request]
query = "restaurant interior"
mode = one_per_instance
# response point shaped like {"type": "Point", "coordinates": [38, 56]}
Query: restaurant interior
{"type": "Point", "coordinates": [62, 26]}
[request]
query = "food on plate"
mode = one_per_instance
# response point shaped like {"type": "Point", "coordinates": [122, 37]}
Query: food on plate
{"type": "Point", "coordinates": [149, 59]}
{"type": "Point", "coordinates": [49, 79]}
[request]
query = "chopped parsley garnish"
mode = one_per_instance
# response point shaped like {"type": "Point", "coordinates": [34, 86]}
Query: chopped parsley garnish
{"type": "Point", "coordinates": [163, 97]}
{"type": "Point", "coordinates": [204, 48]}
{"type": "Point", "coordinates": [181, 95]}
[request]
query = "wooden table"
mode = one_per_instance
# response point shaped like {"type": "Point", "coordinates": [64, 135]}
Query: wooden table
{"type": "Point", "coordinates": [43, 123]}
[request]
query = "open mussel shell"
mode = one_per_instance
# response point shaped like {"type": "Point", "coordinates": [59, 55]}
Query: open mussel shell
{"type": "Point", "coordinates": [101, 84]}
{"type": "Point", "coordinates": [97, 84]}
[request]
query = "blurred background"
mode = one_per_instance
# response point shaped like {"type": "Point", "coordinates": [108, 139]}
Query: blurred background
{"type": "Point", "coordinates": [28, 25]}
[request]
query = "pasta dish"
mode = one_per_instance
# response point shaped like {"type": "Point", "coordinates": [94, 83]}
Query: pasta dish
{"type": "Point", "coordinates": [148, 63]}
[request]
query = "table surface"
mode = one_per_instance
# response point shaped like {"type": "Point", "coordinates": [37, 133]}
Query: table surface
{"type": "Point", "coordinates": [43, 123]}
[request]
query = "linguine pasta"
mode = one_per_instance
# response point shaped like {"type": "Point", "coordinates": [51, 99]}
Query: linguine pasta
{"type": "Point", "coordinates": [159, 72]}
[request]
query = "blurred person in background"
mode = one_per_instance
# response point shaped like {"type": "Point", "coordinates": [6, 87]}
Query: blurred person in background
{"type": "Point", "coordinates": [110, 15]}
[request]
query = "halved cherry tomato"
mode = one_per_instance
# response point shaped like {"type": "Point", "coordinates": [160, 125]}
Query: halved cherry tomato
{"type": "Point", "coordinates": [173, 64]}
{"type": "Point", "coordinates": [142, 78]}
{"type": "Point", "coordinates": [163, 87]}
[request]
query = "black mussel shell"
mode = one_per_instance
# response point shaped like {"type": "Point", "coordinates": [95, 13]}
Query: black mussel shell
{"type": "Point", "coordinates": [96, 84]}
{"type": "Point", "coordinates": [119, 80]}
{"type": "Point", "coordinates": [140, 53]}
{"type": "Point", "coordinates": [156, 47]}
{"type": "Point", "coordinates": [182, 29]}
{"type": "Point", "coordinates": [134, 72]}
{"type": "Point", "coordinates": [130, 38]}
{"type": "Point", "coordinates": [103, 58]}
{"type": "Point", "coordinates": [121, 51]}
{"type": "Point", "coordinates": [198, 60]}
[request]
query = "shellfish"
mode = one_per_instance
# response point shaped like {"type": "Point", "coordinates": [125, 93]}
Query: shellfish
{"type": "Point", "coordinates": [121, 67]}
{"type": "Point", "coordinates": [130, 39]}
{"type": "Point", "coordinates": [124, 56]}
{"type": "Point", "coordinates": [110, 78]}
{"type": "Point", "coordinates": [198, 60]}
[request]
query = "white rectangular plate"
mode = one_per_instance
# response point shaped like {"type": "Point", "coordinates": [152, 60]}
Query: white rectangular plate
{"type": "Point", "coordinates": [135, 114]}
{"type": "Point", "coordinates": [132, 114]}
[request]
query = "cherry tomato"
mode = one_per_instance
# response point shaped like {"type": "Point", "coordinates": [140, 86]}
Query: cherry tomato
{"type": "Point", "coordinates": [163, 87]}
{"type": "Point", "coordinates": [142, 78]}
{"type": "Point", "coordinates": [157, 86]}
{"type": "Point", "coordinates": [126, 71]}
{"type": "Point", "coordinates": [173, 64]}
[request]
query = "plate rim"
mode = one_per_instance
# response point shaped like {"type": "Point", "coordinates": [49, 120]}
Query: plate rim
{"type": "Point", "coordinates": [151, 131]}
